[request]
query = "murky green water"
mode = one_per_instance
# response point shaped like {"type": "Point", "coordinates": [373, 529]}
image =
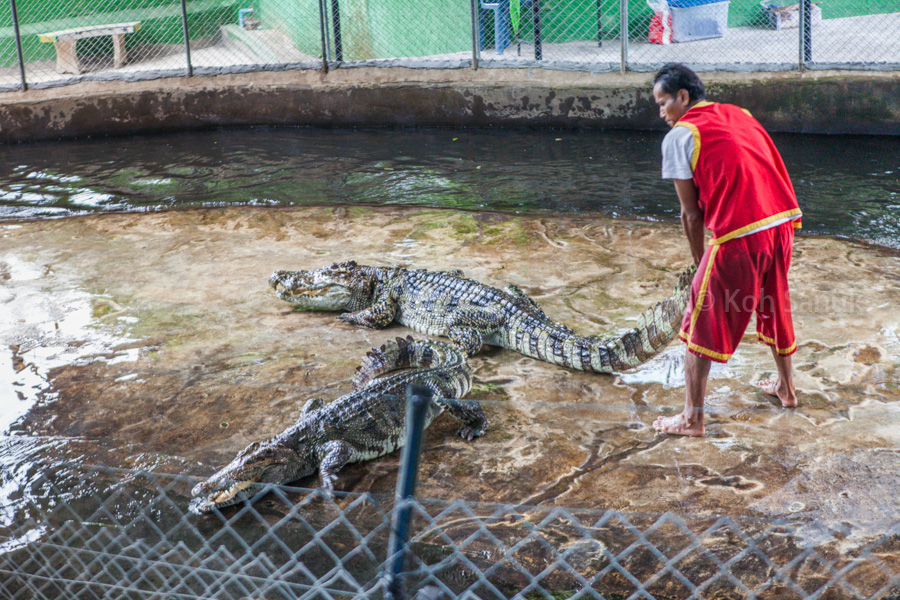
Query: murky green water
{"type": "Point", "coordinates": [848, 186]}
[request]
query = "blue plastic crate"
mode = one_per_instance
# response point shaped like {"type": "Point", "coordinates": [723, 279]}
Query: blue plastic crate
{"type": "Point", "coordinates": [689, 3]}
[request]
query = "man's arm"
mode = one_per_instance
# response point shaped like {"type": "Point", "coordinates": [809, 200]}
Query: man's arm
{"type": "Point", "coordinates": [691, 217]}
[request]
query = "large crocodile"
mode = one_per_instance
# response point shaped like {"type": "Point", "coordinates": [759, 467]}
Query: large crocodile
{"type": "Point", "coordinates": [364, 424]}
{"type": "Point", "coordinates": [471, 313]}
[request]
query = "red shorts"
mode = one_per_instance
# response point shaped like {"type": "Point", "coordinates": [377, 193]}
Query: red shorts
{"type": "Point", "coordinates": [735, 279]}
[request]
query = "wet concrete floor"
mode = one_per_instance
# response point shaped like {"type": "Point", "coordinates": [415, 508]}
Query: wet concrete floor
{"type": "Point", "coordinates": [153, 341]}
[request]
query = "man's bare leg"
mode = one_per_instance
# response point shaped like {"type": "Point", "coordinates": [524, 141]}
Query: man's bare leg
{"type": "Point", "coordinates": [783, 387]}
{"type": "Point", "coordinates": [690, 420]}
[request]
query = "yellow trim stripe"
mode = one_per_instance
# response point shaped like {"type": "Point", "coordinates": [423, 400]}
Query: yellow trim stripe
{"type": "Point", "coordinates": [771, 342]}
{"type": "Point", "coordinates": [695, 133]}
{"type": "Point", "coordinates": [704, 351]}
{"type": "Point", "coordinates": [798, 224]}
{"type": "Point", "coordinates": [749, 228]}
{"type": "Point", "coordinates": [747, 112]}
{"type": "Point", "coordinates": [701, 295]}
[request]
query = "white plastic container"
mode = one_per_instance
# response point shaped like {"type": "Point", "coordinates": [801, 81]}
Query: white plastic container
{"type": "Point", "coordinates": [699, 22]}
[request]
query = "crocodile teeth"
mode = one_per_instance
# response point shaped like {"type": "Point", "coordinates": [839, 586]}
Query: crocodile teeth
{"type": "Point", "coordinates": [231, 492]}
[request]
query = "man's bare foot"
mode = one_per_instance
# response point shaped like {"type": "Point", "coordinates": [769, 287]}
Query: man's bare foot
{"type": "Point", "coordinates": [782, 392]}
{"type": "Point", "coordinates": [679, 425]}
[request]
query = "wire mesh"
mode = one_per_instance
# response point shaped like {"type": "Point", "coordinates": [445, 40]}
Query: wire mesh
{"type": "Point", "coordinates": [722, 35]}
{"type": "Point", "coordinates": [383, 32]}
{"type": "Point", "coordinates": [550, 33]}
{"type": "Point", "coordinates": [255, 35]}
{"type": "Point", "coordinates": [98, 532]}
{"type": "Point", "coordinates": [133, 39]}
{"type": "Point", "coordinates": [854, 34]}
{"type": "Point", "coordinates": [69, 42]}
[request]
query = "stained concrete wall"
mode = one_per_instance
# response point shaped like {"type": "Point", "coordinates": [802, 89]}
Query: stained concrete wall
{"type": "Point", "coordinates": [822, 102]}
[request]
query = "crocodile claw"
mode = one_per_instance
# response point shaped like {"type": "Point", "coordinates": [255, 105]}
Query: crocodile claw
{"type": "Point", "coordinates": [470, 433]}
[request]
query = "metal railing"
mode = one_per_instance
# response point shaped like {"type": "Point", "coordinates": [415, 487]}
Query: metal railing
{"type": "Point", "coordinates": [47, 43]}
{"type": "Point", "coordinates": [98, 532]}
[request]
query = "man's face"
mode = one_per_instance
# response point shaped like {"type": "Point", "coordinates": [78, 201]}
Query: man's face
{"type": "Point", "coordinates": [671, 106]}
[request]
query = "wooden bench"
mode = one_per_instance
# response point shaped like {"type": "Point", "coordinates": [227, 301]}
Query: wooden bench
{"type": "Point", "coordinates": [66, 43]}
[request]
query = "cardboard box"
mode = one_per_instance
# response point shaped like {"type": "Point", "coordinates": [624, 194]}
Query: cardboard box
{"type": "Point", "coordinates": [788, 17]}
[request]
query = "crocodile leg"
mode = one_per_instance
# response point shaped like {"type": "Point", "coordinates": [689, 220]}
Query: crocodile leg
{"type": "Point", "coordinates": [514, 290]}
{"type": "Point", "coordinates": [468, 328]}
{"type": "Point", "coordinates": [468, 412]}
{"type": "Point", "coordinates": [377, 316]}
{"type": "Point", "coordinates": [334, 455]}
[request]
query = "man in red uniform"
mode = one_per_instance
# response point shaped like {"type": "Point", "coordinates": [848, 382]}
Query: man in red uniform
{"type": "Point", "coordinates": [731, 180]}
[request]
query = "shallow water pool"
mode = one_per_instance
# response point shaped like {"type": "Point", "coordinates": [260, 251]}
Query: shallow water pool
{"type": "Point", "coordinates": [847, 185]}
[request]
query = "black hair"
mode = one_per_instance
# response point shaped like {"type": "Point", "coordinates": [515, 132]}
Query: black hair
{"type": "Point", "coordinates": [675, 76]}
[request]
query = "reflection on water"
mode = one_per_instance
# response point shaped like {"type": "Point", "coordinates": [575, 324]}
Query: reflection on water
{"type": "Point", "coordinates": [847, 185]}
{"type": "Point", "coordinates": [40, 332]}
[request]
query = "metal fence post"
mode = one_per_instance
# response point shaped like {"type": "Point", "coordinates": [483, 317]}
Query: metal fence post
{"type": "Point", "coordinates": [623, 33]}
{"type": "Point", "coordinates": [476, 45]}
{"type": "Point", "coordinates": [418, 399]}
{"type": "Point", "coordinates": [323, 31]}
{"type": "Point", "coordinates": [187, 38]}
{"type": "Point", "coordinates": [15, 20]}
{"type": "Point", "coordinates": [336, 26]}
{"type": "Point", "coordinates": [538, 35]}
{"type": "Point", "coordinates": [805, 32]}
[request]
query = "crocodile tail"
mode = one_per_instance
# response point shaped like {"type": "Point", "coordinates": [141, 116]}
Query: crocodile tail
{"type": "Point", "coordinates": [409, 353]}
{"type": "Point", "coordinates": [656, 327]}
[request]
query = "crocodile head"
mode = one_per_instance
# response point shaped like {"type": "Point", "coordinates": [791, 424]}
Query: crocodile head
{"type": "Point", "coordinates": [259, 463]}
{"type": "Point", "coordinates": [341, 286]}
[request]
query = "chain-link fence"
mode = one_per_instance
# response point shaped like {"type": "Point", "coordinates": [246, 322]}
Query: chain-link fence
{"type": "Point", "coordinates": [74, 531]}
{"type": "Point", "coordinates": [47, 42]}
{"type": "Point", "coordinates": [98, 532]}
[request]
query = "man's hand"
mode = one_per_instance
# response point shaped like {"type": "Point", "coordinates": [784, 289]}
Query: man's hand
{"type": "Point", "coordinates": [691, 217]}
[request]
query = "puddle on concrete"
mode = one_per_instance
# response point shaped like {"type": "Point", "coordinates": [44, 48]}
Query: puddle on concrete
{"type": "Point", "coordinates": [153, 342]}
{"type": "Point", "coordinates": [50, 325]}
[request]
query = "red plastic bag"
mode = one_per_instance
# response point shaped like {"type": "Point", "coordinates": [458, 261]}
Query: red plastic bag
{"type": "Point", "coordinates": [661, 27]}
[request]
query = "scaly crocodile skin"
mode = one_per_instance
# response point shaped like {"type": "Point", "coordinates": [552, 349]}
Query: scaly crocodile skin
{"type": "Point", "coordinates": [471, 313]}
{"type": "Point", "coordinates": [364, 424]}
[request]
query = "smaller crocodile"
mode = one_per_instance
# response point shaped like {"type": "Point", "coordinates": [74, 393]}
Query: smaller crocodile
{"type": "Point", "coordinates": [366, 423]}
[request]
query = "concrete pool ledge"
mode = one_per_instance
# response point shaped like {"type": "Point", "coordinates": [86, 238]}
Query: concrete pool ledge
{"type": "Point", "coordinates": [840, 102]}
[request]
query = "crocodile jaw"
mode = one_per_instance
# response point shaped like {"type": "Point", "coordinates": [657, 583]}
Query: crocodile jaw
{"type": "Point", "coordinates": [230, 495]}
{"type": "Point", "coordinates": [308, 290]}
{"type": "Point", "coordinates": [260, 462]}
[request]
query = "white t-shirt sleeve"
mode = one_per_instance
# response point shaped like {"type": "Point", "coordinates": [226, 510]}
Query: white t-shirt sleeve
{"type": "Point", "coordinates": [677, 149]}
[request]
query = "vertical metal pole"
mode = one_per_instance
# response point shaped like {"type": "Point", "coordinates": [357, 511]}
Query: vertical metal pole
{"type": "Point", "coordinates": [187, 38]}
{"type": "Point", "coordinates": [599, 24]}
{"type": "Point", "coordinates": [323, 32]}
{"type": "Point", "coordinates": [15, 19]}
{"type": "Point", "coordinates": [336, 25]}
{"type": "Point", "coordinates": [806, 32]}
{"type": "Point", "coordinates": [623, 34]}
{"type": "Point", "coordinates": [418, 399]}
{"type": "Point", "coordinates": [538, 35]}
{"type": "Point", "coordinates": [476, 47]}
